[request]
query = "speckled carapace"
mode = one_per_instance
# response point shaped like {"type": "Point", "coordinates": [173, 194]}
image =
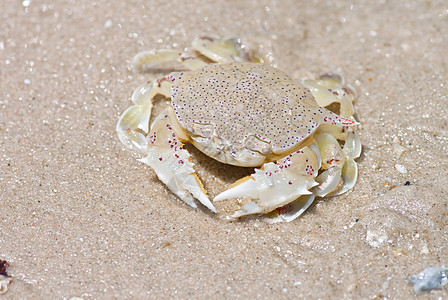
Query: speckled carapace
{"type": "Point", "coordinates": [247, 105]}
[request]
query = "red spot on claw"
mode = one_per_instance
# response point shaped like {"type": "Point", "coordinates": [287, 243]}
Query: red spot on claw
{"type": "Point", "coordinates": [348, 122]}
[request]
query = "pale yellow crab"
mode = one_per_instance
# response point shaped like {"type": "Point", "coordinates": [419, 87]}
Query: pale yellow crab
{"type": "Point", "coordinates": [246, 114]}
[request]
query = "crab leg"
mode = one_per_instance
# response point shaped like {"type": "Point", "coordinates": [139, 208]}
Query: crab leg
{"type": "Point", "coordinates": [330, 88]}
{"type": "Point", "coordinates": [338, 164]}
{"type": "Point", "coordinates": [165, 154]}
{"type": "Point", "coordinates": [225, 50]}
{"type": "Point", "coordinates": [134, 122]}
{"type": "Point", "coordinates": [222, 50]}
{"type": "Point", "coordinates": [352, 150]}
{"type": "Point", "coordinates": [146, 60]}
{"type": "Point", "coordinates": [290, 211]}
{"type": "Point", "coordinates": [276, 184]}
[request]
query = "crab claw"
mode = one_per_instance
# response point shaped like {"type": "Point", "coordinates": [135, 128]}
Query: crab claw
{"type": "Point", "coordinates": [330, 88]}
{"type": "Point", "coordinates": [180, 178]}
{"type": "Point", "coordinates": [165, 154]}
{"type": "Point", "coordinates": [276, 184]}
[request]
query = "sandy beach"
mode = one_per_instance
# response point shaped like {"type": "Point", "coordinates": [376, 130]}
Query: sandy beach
{"type": "Point", "coordinates": [81, 217]}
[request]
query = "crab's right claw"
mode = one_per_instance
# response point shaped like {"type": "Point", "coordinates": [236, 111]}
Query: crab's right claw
{"type": "Point", "coordinates": [179, 177]}
{"type": "Point", "coordinates": [171, 162]}
{"type": "Point", "coordinates": [276, 184]}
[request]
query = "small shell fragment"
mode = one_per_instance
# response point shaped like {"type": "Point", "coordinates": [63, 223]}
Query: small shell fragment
{"type": "Point", "coordinates": [5, 281]}
{"type": "Point", "coordinates": [399, 149]}
{"type": "Point", "coordinates": [400, 168]}
{"type": "Point", "coordinates": [375, 238]}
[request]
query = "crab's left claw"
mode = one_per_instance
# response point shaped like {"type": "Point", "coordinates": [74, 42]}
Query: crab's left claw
{"type": "Point", "coordinates": [276, 184]}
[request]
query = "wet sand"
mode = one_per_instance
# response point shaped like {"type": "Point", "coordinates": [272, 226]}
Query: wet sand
{"type": "Point", "coordinates": [80, 217]}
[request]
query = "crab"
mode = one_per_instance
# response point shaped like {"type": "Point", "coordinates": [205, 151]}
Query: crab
{"type": "Point", "coordinates": [240, 111]}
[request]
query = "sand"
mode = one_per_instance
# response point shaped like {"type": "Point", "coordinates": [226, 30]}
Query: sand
{"type": "Point", "coordinates": [80, 217]}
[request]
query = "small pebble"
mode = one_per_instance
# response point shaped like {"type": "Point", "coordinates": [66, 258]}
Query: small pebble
{"type": "Point", "coordinates": [108, 23]}
{"type": "Point", "coordinates": [429, 279]}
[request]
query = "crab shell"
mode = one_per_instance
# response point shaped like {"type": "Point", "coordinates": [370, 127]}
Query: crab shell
{"type": "Point", "coordinates": [246, 114]}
